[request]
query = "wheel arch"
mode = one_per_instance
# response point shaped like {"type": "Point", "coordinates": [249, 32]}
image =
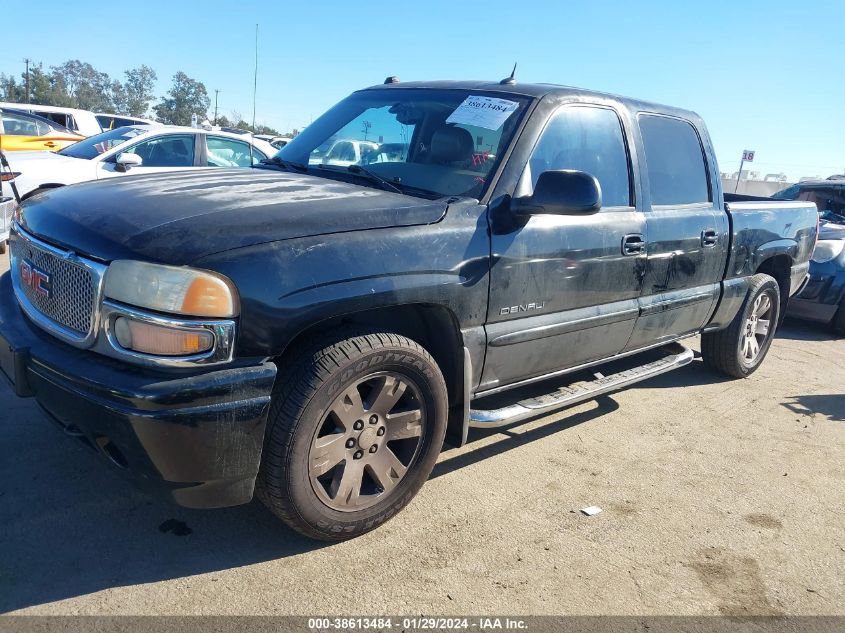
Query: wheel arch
{"type": "Point", "coordinates": [780, 267]}
{"type": "Point", "coordinates": [433, 326]}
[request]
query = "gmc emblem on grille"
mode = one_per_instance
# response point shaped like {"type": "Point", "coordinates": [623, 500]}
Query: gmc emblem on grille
{"type": "Point", "coordinates": [35, 278]}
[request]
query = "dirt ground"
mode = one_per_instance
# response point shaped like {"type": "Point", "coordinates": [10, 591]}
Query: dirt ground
{"type": "Point", "coordinates": [718, 496]}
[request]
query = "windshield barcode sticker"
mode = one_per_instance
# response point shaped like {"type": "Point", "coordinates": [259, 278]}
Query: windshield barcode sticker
{"type": "Point", "coordinates": [486, 112]}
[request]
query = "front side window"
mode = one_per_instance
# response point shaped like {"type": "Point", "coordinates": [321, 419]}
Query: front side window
{"type": "Point", "coordinates": [675, 161]}
{"type": "Point", "coordinates": [226, 152]}
{"type": "Point", "coordinates": [166, 151]}
{"type": "Point", "coordinates": [426, 142]}
{"type": "Point", "coordinates": [587, 139]}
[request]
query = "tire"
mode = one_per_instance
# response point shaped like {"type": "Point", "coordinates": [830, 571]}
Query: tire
{"type": "Point", "coordinates": [316, 420]}
{"type": "Point", "coordinates": [731, 351]}
{"type": "Point", "coordinates": [838, 320]}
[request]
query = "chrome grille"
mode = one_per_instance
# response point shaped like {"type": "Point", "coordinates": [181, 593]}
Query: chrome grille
{"type": "Point", "coordinates": [7, 208]}
{"type": "Point", "coordinates": [73, 295]}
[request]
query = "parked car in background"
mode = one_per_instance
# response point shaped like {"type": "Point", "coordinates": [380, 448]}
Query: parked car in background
{"type": "Point", "coordinates": [309, 333]}
{"type": "Point", "coordinates": [79, 121]}
{"type": "Point", "coordinates": [137, 149]}
{"type": "Point", "coordinates": [20, 131]}
{"type": "Point", "coordinates": [345, 152]}
{"type": "Point", "coordinates": [112, 121]}
{"type": "Point", "coordinates": [274, 139]}
{"type": "Point", "coordinates": [823, 298]}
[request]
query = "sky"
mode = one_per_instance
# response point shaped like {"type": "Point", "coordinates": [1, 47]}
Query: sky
{"type": "Point", "coordinates": [764, 75]}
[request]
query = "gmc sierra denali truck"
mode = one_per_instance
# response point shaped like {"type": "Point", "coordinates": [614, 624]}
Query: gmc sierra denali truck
{"type": "Point", "coordinates": [310, 332]}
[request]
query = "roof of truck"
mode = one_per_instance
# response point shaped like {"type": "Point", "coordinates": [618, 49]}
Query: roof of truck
{"type": "Point", "coordinates": [536, 91]}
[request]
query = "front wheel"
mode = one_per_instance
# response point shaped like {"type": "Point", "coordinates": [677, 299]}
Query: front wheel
{"type": "Point", "coordinates": [356, 424]}
{"type": "Point", "coordinates": [740, 349]}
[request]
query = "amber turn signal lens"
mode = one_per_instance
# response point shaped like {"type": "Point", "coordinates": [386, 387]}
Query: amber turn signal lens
{"type": "Point", "coordinates": [159, 340]}
{"type": "Point", "coordinates": [208, 296]}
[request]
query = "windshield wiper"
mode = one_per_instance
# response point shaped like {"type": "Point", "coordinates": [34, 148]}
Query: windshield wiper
{"type": "Point", "coordinates": [368, 175]}
{"type": "Point", "coordinates": [285, 164]}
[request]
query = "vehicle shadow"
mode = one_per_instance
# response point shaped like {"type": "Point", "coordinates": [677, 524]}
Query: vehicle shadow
{"type": "Point", "coordinates": [604, 405]}
{"type": "Point", "coordinates": [831, 405]}
{"type": "Point", "coordinates": [694, 374]}
{"type": "Point", "coordinates": [70, 527]}
{"type": "Point", "coordinates": [798, 330]}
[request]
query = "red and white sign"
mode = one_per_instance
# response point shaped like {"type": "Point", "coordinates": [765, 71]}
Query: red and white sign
{"type": "Point", "coordinates": [748, 155]}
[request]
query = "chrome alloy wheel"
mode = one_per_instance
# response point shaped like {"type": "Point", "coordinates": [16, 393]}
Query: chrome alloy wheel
{"type": "Point", "coordinates": [367, 441]}
{"type": "Point", "coordinates": [757, 329]}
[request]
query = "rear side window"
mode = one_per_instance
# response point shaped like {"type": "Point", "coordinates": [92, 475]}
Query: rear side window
{"type": "Point", "coordinates": [675, 161]}
{"type": "Point", "coordinates": [588, 139]}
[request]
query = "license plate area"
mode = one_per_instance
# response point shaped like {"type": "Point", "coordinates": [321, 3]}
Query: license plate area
{"type": "Point", "coordinates": [13, 367]}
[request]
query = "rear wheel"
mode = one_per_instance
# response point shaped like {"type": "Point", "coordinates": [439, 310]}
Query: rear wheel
{"type": "Point", "coordinates": [740, 349]}
{"type": "Point", "coordinates": [356, 424]}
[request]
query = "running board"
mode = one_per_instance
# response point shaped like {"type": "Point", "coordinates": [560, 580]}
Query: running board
{"type": "Point", "coordinates": [676, 356]}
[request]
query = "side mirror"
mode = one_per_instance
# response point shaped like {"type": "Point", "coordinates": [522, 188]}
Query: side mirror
{"type": "Point", "coordinates": [561, 192]}
{"type": "Point", "coordinates": [126, 160]}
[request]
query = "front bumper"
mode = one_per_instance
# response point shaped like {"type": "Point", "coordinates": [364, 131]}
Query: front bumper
{"type": "Point", "coordinates": [196, 435]}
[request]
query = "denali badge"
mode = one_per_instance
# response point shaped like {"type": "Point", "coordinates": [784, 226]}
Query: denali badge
{"type": "Point", "coordinates": [525, 307]}
{"type": "Point", "coordinates": [35, 278]}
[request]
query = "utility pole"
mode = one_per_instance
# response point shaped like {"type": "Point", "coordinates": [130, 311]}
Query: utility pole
{"type": "Point", "coordinates": [26, 61]}
{"type": "Point", "coordinates": [216, 92]}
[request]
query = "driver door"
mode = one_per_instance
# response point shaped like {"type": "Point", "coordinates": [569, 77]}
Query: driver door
{"type": "Point", "coordinates": [564, 289]}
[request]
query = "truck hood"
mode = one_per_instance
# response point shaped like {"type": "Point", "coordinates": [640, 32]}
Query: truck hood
{"type": "Point", "coordinates": [181, 217]}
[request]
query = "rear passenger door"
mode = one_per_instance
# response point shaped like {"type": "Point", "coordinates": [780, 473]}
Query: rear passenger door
{"type": "Point", "coordinates": [564, 289]}
{"type": "Point", "coordinates": [686, 232]}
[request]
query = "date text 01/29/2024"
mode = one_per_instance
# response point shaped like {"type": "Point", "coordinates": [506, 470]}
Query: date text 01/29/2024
{"type": "Point", "coordinates": [416, 623]}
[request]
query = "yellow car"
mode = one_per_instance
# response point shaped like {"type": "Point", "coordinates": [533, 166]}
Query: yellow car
{"type": "Point", "coordinates": [24, 131]}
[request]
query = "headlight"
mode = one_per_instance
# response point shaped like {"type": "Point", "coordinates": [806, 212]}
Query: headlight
{"type": "Point", "coordinates": [827, 250]}
{"type": "Point", "coordinates": [171, 289]}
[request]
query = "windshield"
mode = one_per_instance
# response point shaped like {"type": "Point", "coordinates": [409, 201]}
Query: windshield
{"type": "Point", "coordinates": [93, 146]}
{"type": "Point", "coordinates": [426, 142]}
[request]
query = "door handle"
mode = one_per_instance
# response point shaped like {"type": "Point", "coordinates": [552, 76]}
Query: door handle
{"type": "Point", "coordinates": [633, 244]}
{"type": "Point", "coordinates": [50, 144]}
{"type": "Point", "coordinates": [709, 238]}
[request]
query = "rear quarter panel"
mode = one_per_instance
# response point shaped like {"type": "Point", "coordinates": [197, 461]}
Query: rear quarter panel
{"type": "Point", "coordinates": [762, 230]}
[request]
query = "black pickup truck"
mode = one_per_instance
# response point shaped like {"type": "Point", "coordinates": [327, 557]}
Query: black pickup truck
{"type": "Point", "coordinates": [310, 331]}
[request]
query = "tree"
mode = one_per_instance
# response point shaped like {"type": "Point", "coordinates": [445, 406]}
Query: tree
{"type": "Point", "coordinates": [138, 88]}
{"type": "Point", "coordinates": [186, 97]}
{"type": "Point", "coordinates": [119, 98]}
{"type": "Point", "coordinates": [40, 86]}
{"type": "Point", "coordinates": [85, 86]}
{"type": "Point", "coordinates": [10, 90]}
